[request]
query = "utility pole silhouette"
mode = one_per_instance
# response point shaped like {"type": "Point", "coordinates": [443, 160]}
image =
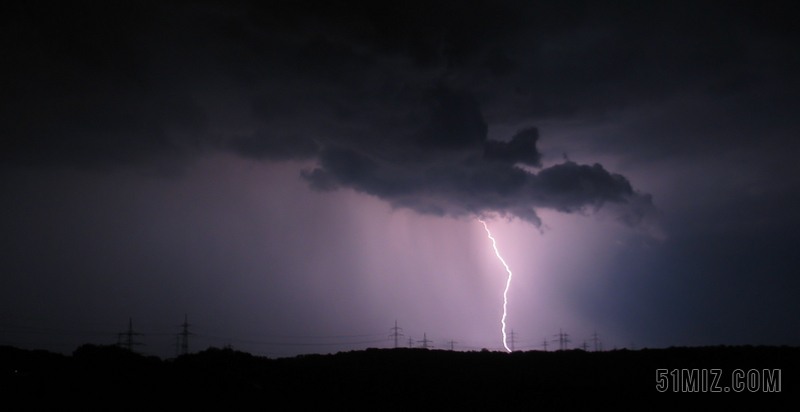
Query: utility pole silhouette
{"type": "Point", "coordinates": [396, 333]}
{"type": "Point", "coordinates": [596, 340]}
{"type": "Point", "coordinates": [184, 335]}
{"type": "Point", "coordinates": [563, 340]}
{"type": "Point", "coordinates": [513, 336]}
{"type": "Point", "coordinates": [545, 344]}
{"type": "Point", "coordinates": [585, 347]}
{"type": "Point", "coordinates": [129, 342]}
{"type": "Point", "coordinates": [425, 340]}
{"type": "Point", "coordinates": [451, 344]}
{"type": "Point", "coordinates": [410, 342]}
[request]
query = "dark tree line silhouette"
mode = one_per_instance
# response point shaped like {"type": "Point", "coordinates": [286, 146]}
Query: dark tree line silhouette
{"type": "Point", "coordinates": [114, 378]}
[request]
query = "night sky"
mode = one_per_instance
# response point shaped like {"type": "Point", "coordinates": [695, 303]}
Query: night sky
{"type": "Point", "coordinates": [296, 176]}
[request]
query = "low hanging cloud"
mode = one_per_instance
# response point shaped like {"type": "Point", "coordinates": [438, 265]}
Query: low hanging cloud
{"type": "Point", "coordinates": [471, 175]}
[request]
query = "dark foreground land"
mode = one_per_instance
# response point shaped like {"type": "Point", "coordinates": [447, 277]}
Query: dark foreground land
{"type": "Point", "coordinates": [110, 378]}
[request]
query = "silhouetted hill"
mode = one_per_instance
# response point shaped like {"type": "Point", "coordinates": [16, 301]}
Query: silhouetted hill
{"type": "Point", "coordinates": [111, 378]}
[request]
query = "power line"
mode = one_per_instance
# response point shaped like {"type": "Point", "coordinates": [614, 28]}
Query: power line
{"type": "Point", "coordinates": [255, 342]}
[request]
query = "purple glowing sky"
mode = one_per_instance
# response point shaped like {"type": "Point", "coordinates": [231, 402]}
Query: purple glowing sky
{"type": "Point", "coordinates": [296, 179]}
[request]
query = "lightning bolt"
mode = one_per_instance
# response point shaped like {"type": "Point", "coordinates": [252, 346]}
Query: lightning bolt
{"type": "Point", "coordinates": [508, 283]}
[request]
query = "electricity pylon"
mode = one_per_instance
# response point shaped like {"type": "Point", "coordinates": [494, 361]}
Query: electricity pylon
{"type": "Point", "coordinates": [396, 333]}
{"type": "Point", "coordinates": [129, 342]}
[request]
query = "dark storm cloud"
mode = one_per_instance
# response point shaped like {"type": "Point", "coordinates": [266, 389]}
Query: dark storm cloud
{"type": "Point", "coordinates": [392, 98]}
{"type": "Point", "coordinates": [475, 186]}
{"type": "Point", "coordinates": [521, 149]}
{"type": "Point", "coordinates": [470, 175]}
